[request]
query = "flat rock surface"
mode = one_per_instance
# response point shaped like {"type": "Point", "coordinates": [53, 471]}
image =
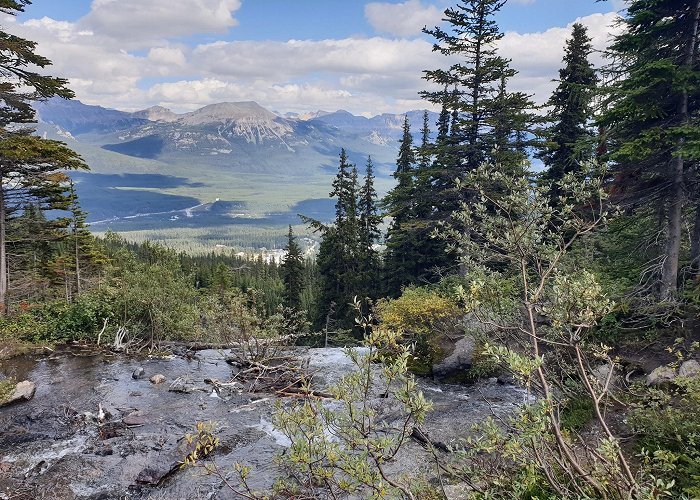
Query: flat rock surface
{"type": "Point", "coordinates": [56, 445]}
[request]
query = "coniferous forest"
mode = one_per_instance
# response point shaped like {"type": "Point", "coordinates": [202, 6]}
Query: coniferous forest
{"type": "Point", "coordinates": [556, 246]}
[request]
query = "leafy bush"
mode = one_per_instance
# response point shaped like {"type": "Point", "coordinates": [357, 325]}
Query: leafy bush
{"type": "Point", "coordinates": [425, 318]}
{"type": "Point", "coordinates": [668, 432]}
{"type": "Point", "coordinates": [343, 448]}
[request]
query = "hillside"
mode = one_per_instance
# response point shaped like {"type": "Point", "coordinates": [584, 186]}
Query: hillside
{"type": "Point", "coordinates": [149, 167]}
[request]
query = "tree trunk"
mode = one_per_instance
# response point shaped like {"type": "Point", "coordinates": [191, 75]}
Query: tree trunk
{"type": "Point", "coordinates": [695, 244]}
{"type": "Point", "coordinates": [669, 272]}
{"type": "Point", "coordinates": [3, 254]}
{"type": "Point", "coordinates": [77, 260]}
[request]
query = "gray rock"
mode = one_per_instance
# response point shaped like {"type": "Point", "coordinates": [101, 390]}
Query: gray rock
{"type": "Point", "coordinates": [459, 360]}
{"type": "Point", "coordinates": [134, 418]}
{"type": "Point", "coordinates": [690, 368]}
{"type": "Point", "coordinates": [661, 376]}
{"type": "Point", "coordinates": [24, 391]}
{"type": "Point", "coordinates": [457, 491]}
{"type": "Point", "coordinates": [158, 378]}
{"type": "Point", "coordinates": [138, 373]}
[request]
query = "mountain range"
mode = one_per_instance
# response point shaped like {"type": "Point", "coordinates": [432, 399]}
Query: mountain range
{"type": "Point", "coordinates": [232, 163]}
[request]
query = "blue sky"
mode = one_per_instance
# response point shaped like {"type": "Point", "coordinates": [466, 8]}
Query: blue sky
{"type": "Point", "coordinates": [298, 56]}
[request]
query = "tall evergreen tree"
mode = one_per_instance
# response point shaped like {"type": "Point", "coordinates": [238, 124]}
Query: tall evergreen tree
{"type": "Point", "coordinates": [368, 234]}
{"type": "Point", "coordinates": [487, 123]}
{"type": "Point", "coordinates": [472, 36]}
{"type": "Point", "coordinates": [28, 164]}
{"type": "Point", "coordinates": [569, 139]}
{"type": "Point", "coordinates": [400, 204]}
{"type": "Point", "coordinates": [292, 270]}
{"type": "Point", "coordinates": [652, 116]}
{"type": "Point", "coordinates": [85, 254]}
{"type": "Point", "coordinates": [339, 257]}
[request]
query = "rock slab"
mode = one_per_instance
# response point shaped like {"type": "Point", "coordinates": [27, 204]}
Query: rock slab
{"type": "Point", "coordinates": [690, 368]}
{"type": "Point", "coordinates": [24, 391]}
{"type": "Point", "coordinates": [661, 376]}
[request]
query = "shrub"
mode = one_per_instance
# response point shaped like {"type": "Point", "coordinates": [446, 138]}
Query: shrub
{"type": "Point", "coordinates": [426, 318]}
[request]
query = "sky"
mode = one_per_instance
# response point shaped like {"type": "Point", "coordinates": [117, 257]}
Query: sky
{"type": "Point", "coordinates": [366, 57]}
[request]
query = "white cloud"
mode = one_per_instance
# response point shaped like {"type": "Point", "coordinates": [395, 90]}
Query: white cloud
{"type": "Point", "coordinates": [138, 22]}
{"type": "Point", "coordinates": [169, 59]}
{"type": "Point", "coordinates": [524, 2]}
{"type": "Point", "coordinates": [402, 19]}
{"type": "Point", "coordinates": [538, 56]}
{"type": "Point", "coordinates": [362, 75]}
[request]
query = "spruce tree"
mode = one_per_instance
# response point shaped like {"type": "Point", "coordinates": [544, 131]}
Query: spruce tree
{"type": "Point", "coordinates": [292, 270]}
{"type": "Point", "coordinates": [85, 254]}
{"type": "Point", "coordinates": [652, 117]}
{"type": "Point", "coordinates": [29, 165]}
{"type": "Point", "coordinates": [569, 139]}
{"type": "Point", "coordinates": [368, 234]}
{"type": "Point", "coordinates": [481, 121]}
{"type": "Point", "coordinates": [472, 36]}
{"type": "Point", "coordinates": [400, 203]}
{"type": "Point", "coordinates": [339, 257]}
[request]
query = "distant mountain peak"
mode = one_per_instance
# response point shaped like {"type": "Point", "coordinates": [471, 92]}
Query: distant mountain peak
{"type": "Point", "coordinates": [228, 111]}
{"type": "Point", "coordinates": [157, 114]}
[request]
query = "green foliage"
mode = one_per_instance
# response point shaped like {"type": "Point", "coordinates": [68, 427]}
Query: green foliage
{"type": "Point", "coordinates": [569, 139]}
{"type": "Point", "coordinates": [154, 298]}
{"type": "Point", "coordinates": [292, 270]}
{"type": "Point", "coordinates": [424, 318]}
{"type": "Point", "coordinates": [576, 412]}
{"type": "Point", "coordinates": [667, 425]}
{"type": "Point", "coordinates": [7, 388]}
{"type": "Point", "coordinates": [347, 263]}
{"type": "Point", "coordinates": [202, 443]}
{"type": "Point", "coordinates": [343, 448]}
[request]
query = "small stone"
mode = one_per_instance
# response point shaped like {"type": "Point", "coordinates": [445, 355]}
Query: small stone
{"type": "Point", "coordinates": [690, 368]}
{"type": "Point", "coordinates": [159, 378]}
{"type": "Point", "coordinates": [134, 418]}
{"type": "Point", "coordinates": [661, 376]}
{"type": "Point", "coordinates": [138, 373]}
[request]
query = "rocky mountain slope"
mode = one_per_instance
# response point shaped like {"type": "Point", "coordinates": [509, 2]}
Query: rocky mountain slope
{"type": "Point", "coordinates": [148, 165]}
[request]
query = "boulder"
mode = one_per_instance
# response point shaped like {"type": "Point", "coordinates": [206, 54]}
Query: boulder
{"type": "Point", "coordinates": [158, 378]}
{"type": "Point", "coordinates": [690, 368]}
{"type": "Point", "coordinates": [661, 376]}
{"type": "Point", "coordinates": [138, 373]}
{"type": "Point", "coordinates": [459, 360]}
{"type": "Point", "coordinates": [24, 391]}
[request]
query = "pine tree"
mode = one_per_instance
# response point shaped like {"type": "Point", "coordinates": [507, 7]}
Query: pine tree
{"type": "Point", "coordinates": [652, 116]}
{"type": "Point", "coordinates": [473, 34]}
{"type": "Point", "coordinates": [29, 165]}
{"type": "Point", "coordinates": [400, 204]}
{"type": "Point", "coordinates": [368, 234]}
{"type": "Point", "coordinates": [339, 257]}
{"type": "Point", "coordinates": [292, 270]}
{"type": "Point", "coordinates": [569, 139]}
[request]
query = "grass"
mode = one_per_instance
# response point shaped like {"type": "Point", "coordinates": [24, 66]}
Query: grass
{"type": "Point", "coordinates": [7, 388]}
